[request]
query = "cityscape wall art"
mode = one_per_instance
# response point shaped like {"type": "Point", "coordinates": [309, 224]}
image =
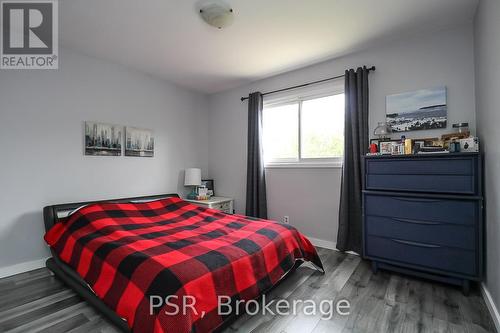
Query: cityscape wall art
{"type": "Point", "coordinates": [417, 110]}
{"type": "Point", "coordinates": [139, 142]}
{"type": "Point", "coordinates": [103, 139]}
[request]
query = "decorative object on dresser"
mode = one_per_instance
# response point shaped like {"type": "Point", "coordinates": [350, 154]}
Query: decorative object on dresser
{"type": "Point", "coordinates": [202, 193]}
{"type": "Point", "coordinates": [192, 177]}
{"type": "Point", "coordinates": [139, 142]}
{"type": "Point", "coordinates": [462, 128]}
{"type": "Point", "coordinates": [223, 204]}
{"type": "Point", "coordinates": [469, 144]}
{"type": "Point", "coordinates": [382, 131]}
{"type": "Point", "coordinates": [423, 215]}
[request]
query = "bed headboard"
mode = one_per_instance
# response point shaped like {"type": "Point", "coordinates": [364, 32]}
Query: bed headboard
{"type": "Point", "coordinates": [51, 214]}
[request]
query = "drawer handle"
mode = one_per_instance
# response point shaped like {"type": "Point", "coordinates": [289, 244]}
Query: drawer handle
{"type": "Point", "coordinates": [417, 200]}
{"type": "Point", "coordinates": [416, 221]}
{"type": "Point", "coordinates": [415, 243]}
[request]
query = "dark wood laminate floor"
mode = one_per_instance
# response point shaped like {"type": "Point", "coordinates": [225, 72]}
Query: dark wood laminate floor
{"type": "Point", "coordinates": [37, 302]}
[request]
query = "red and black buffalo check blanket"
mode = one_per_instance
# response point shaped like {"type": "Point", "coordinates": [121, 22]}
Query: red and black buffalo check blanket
{"type": "Point", "coordinates": [131, 253]}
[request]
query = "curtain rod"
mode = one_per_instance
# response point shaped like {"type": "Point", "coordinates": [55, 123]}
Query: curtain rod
{"type": "Point", "coordinates": [305, 84]}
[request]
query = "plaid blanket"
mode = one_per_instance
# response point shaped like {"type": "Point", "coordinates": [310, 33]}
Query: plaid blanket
{"type": "Point", "coordinates": [133, 253]}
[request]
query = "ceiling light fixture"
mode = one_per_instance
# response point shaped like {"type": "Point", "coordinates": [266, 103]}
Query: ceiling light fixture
{"type": "Point", "coordinates": [218, 15]}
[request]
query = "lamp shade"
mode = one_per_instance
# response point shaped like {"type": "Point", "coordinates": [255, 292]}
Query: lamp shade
{"type": "Point", "coordinates": [192, 177]}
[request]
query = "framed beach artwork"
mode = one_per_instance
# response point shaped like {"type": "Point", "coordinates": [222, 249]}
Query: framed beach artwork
{"type": "Point", "coordinates": [139, 142]}
{"type": "Point", "coordinates": [103, 139]}
{"type": "Point", "coordinates": [417, 110]}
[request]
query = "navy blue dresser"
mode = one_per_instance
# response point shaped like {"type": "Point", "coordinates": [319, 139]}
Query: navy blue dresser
{"type": "Point", "coordinates": [423, 215]}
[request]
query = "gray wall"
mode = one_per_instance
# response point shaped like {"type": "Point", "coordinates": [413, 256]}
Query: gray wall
{"type": "Point", "coordinates": [487, 56]}
{"type": "Point", "coordinates": [444, 58]}
{"type": "Point", "coordinates": [41, 132]}
{"type": "Point", "coordinates": [310, 197]}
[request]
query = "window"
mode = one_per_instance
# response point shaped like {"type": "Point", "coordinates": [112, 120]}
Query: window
{"type": "Point", "coordinates": [304, 131]}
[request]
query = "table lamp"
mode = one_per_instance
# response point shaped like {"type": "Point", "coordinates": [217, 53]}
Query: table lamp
{"type": "Point", "coordinates": [192, 177]}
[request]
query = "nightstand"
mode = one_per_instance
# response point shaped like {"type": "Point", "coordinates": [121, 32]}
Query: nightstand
{"type": "Point", "coordinates": [223, 204]}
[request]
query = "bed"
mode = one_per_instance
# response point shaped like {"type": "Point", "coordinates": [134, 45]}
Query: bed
{"type": "Point", "coordinates": [121, 254]}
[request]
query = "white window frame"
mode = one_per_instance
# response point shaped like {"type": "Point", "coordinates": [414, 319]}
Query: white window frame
{"type": "Point", "coordinates": [330, 89]}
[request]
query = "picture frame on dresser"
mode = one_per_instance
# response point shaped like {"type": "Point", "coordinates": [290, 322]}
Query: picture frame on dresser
{"type": "Point", "coordinates": [210, 185]}
{"type": "Point", "coordinates": [385, 146]}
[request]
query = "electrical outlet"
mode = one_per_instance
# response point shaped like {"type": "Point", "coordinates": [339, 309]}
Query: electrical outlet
{"type": "Point", "coordinates": [286, 219]}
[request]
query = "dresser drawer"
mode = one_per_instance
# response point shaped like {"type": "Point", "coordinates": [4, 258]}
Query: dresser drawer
{"type": "Point", "coordinates": [422, 254]}
{"type": "Point", "coordinates": [223, 206]}
{"type": "Point", "coordinates": [422, 183]}
{"type": "Point", "coordinates": [421, 166]}
{"type": "Point", "coordinates": [464, 212]}
{"type": "Point", "coordinates": [452, 175]}
{"type": "Point", "coordinates": [437, 233]}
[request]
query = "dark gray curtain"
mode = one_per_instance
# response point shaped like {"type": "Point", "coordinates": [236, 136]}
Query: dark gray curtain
{"type": "Point", "coordinates": [356, 144]}
{"type": "Point", "coordinates": [256, 204]}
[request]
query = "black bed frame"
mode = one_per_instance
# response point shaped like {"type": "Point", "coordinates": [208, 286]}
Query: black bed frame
{"type": "Point", "coordinates": [68, 275]}
{"type": "Point", "coordinates": [75, 282]}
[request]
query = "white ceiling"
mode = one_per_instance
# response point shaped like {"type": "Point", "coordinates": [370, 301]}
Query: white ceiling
{"type": "Point", "coordinates": [168, 39]}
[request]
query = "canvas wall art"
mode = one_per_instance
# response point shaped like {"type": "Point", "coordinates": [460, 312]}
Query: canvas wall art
{"type": "Point", "coordinates": [103, 139]}
{"type": "Point", "coordinates": [417, 110]}
{"type": "Point", "coordinates": [139, 142]}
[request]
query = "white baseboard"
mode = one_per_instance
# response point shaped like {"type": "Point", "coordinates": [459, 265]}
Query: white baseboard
{"type": "Point", "coordinates": [491, 306]}
{"type": "Point", "coordinates": [327, 244]}
{"type": "Point", "coordinates": [323, 243]}
{"type": "Point", "coordinates": [22, 267]}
